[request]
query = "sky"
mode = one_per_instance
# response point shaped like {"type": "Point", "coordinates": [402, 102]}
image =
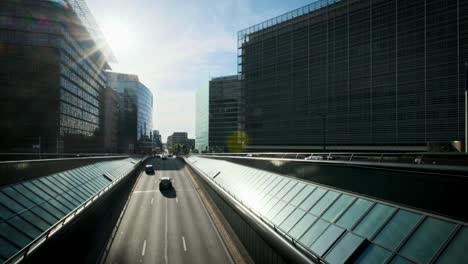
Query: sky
{"type": "Point", "coordinates": [177, 46]}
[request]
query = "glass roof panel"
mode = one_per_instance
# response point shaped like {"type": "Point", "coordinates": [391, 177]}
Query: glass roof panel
{"type": "Point", "coordinates": [397, 229]}
{"type": "Point", "coordinates": [300, 197]}
{"type": "Point", "coordinates": [354, 213]}
{"type": "Point", "coordinates": [302, 226]}
{"type": "Point", "coordinates": [344, 248]}
{"type": "Point", "coordinates": [283, 191]}
{"type": "Point", "coordinates": [427, 239]}
{"type": "Point", "coordinates": [7, 249]}
{"type": "Point", "coordinates": [293, 192]}
{"type": "Point", "coordinates": [28, 194]}
{"type": "Point", "coordinates": [338, 207]}
{"type": "Point", "coordinates": [326, 240]}
{"type": "Point", "coordinates": [456, 251]}
{"type": "Point", "coordinates": [399, 260]}
{"type": "Point", "coordinates": [373, 220]}
{"type": "Point", "coordinates": [11, 204]}
{"type": "Point", "coordinates": [10, 192]}
{"type": "Point", "coordinates": [373, 254]}
{"type": "Point", "coordinates": [312, 199]}
{"type": "Point", "coordinates": [17, 237]}
{"type": "Point", "coordinates": [26, 227]}
{"type": "Point", "coordinates": [314, 232]}
{"type": "Point", "coordinates": [283, 214]}
{"type": "Point", "coordinates": [323, 203]}
{"type": "Point", "coordinates": [292, 219]}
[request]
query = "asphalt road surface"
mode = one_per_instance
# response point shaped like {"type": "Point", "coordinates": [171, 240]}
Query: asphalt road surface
{"type": "Point", "coordinates": [166, 227]}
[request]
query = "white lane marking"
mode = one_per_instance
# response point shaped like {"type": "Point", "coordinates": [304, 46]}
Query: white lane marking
{"type": "Point", "coordinates": [146, 191]}
{"type": "Point", "coordinates": [152, 199]}
{"type": "Point", "coordinates": [165, 239]}
{"type": "Point", "coordinates": [183, 243]}
{"type": "Point", "coordinates": [176, 200]}
{"type": "Point", "coordinates": [144, 248]}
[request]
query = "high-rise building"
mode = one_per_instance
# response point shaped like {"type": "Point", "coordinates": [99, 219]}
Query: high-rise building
{"type": "Point", "coordinates": [201, 118]}
{"type": "Point", "coordinates": [135, 114]}
{"type": "Point", "coordinates": [157, 143]}
{"type": "Point", "coordinates": [51, 76]}
{"type": "Point", "coordinates": [190, 143]}
{"type": "Point", "coordinates": [109, 118]}
{"type": "Point", "coordinates": [178, 138]}
{"type": "Point", "coordinates": [224, 112]}
{"type": "Point", "coordinates": [169, 141]}
{"type": "Point", "coordinates": [347, 74]}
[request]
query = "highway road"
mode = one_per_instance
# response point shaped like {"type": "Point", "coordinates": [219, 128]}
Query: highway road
{"type": "Point", "coordinates": [171, 227]}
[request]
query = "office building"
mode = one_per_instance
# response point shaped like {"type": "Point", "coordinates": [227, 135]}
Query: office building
{"type": "Point", "coordinates": [157, 143]}
{"type": "Point", "coordinates": [109, 118]}
{"type": "Point", "coordinates": [224, 112]}
{"type": "Point", "coordinates": [52, 64]}
{"type": "Point", "coordinates": [177, 138]}
{"type": "Point", "coordinates": [365, 75]}
{"type": "Point", "coordinates": [201, 118]}
{"type": "Point", "coordinates": [135, 112]}
{"type": "Point", "coordinates": [190, 143]}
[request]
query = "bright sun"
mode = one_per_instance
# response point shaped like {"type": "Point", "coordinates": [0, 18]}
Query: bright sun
{"type": "Point", "coordinates": [118, 35]}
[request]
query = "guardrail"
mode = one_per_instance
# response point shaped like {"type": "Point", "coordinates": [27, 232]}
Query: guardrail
{"type": "Point", "coordinates": [33, 245]}
{"type": "Point", "coordinates": [460, 159]}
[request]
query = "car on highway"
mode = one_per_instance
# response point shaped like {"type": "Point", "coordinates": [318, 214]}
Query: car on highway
{"type": "Point", "coordinates": [170, 155]}
{"type": "Point", "coordinates": [158, 156]}
{"type": "Point", "coordinates": [164, 157]}
{"type": "Point", "coordinates": [149, 168]}
{"type": "Point", "coordinates": [165, 184]}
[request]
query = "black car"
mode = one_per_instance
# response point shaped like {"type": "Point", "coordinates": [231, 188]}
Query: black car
{"type": "Point", "coordinates": [165, 184]}
{"type": "Point", "coordinates": [149, 168]}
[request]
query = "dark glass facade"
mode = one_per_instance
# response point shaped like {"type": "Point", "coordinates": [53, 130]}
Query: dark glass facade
{"type": "Point", "coordinates": [51, 77]}
{"type": "Point", "coordinates": [370, 73]}
{"type": "Point", "coordinates": [224, 111]}
{"type": "Point", "coordinates": [135, 112]}
{"type": "Point", "coordinates": [109, 100]}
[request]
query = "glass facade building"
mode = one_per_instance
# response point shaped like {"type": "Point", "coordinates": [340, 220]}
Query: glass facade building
{"type": "Point", "coordinates": [224, 112]}
{"type": "Point", "coordinates": [201, 118]}
{"type": "Point", "coordinates": [372, 74]}
{"type": "Point", "coordinates": [52, 75]}
{"type": "Point", "coordinates": [135, 112]}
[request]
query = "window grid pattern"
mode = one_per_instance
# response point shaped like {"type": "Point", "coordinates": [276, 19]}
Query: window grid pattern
{"type": "Point", "coordinates": [379, 72]}
{"type": "Point", "coordinates": [224, 111]}
{"type": "Point", "coordinates": [336, 226]}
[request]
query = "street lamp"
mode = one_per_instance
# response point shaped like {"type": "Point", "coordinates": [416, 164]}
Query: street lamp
{"type": "Point", "coordinates": [324, 128]}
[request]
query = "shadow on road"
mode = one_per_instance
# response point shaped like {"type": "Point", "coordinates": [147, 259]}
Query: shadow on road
{"type": "Point", "coordinates": [169, 193]}
{"type": "Point", "coordinates": [169, 164]}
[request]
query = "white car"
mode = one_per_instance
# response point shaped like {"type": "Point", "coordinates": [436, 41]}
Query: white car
{"type": "Point", "coordinates": [312, 157]}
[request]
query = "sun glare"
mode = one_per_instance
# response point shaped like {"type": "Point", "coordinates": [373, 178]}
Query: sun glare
{"type": "Point", "coordinates": [118, 35]}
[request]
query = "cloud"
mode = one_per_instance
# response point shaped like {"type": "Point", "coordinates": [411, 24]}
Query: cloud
{"type": "Point", "coordinates": [174, 46]}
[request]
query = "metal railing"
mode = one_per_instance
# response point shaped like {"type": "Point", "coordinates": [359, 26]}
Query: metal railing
{"type": "Point", "coordinates": [284, 17]}
{"type": "Point", "coordinates": [455, 159]}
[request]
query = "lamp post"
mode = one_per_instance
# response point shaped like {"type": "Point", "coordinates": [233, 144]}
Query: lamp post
{"type": "Point", "coordinates": [324, 128]}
